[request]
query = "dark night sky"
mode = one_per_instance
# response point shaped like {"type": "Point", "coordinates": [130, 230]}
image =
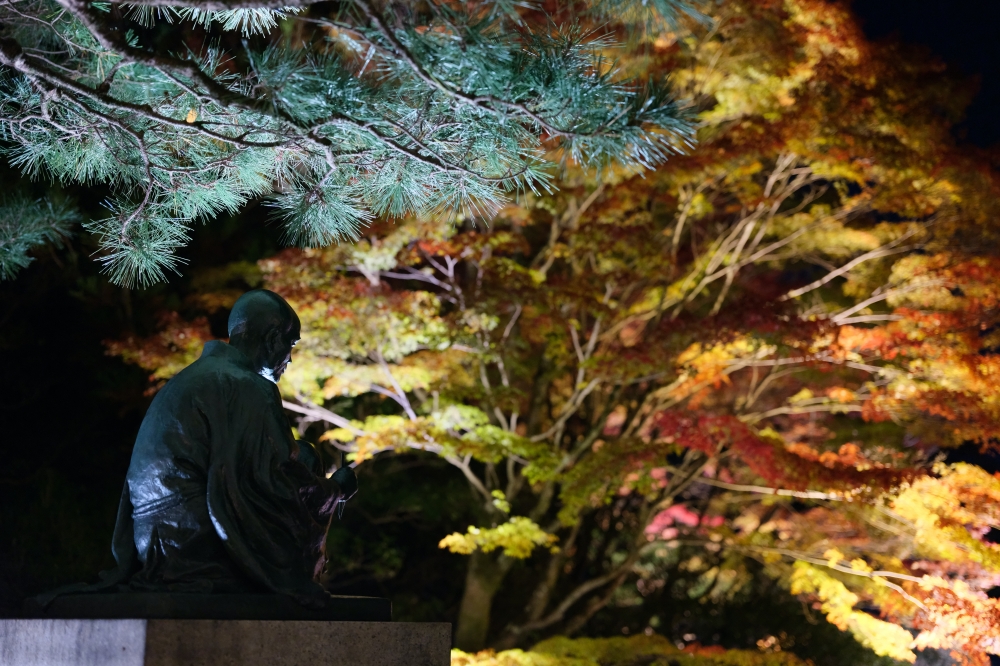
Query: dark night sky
{"type": "Point", "coordinates": [963, 34]}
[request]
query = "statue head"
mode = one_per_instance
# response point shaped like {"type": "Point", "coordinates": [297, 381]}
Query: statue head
{"type": "Point", "coordinates": [265, 328]}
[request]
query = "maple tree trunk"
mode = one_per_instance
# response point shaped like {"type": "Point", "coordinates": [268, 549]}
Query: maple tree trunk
{"type": "Point", "coordinates": [482, 581]}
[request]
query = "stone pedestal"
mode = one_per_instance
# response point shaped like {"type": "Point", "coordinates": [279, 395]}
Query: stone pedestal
{"type": "Point", "coordinates": [130, 642]}
{"type": "Point", "coordinates": [180, 606]}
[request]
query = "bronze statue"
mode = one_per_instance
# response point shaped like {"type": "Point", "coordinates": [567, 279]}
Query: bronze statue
{"type": "Point", "coordinates": [219, 497]}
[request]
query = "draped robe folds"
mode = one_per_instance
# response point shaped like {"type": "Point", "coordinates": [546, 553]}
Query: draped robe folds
{"type": "Point", "coordinates": [219, 497]}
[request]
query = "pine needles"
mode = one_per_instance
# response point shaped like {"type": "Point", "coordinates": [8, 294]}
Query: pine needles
{"type": "Point", "coordinates": [26, 224]}
{"type": "Point", "coordinates": [378, 111]}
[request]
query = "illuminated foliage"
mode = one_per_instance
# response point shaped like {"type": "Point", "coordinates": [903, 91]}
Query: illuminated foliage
{"type": "Point", "coordinates": [517, 537]}
{"type": "Point", "coordinates": [742, 363]}
{"type": "Point", "coordinates": [623, 651]}
{"type": "Point", "coordinates": [837, 602]}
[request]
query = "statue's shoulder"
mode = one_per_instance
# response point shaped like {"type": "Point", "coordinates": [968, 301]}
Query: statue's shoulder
{"type": "Point", "coordinates": [218, 367]}
{"type": "Point", "coordinates": [220, 384]}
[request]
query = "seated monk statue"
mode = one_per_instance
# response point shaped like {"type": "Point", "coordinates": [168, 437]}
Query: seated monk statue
{"type": "Point", "coordinates": [219, 496]}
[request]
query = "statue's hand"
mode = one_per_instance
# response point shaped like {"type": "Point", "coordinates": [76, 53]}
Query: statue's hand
{"type": "Point", "coordinates": [347, 481]}
{"type": "Point", "coordinates": [307, 455]}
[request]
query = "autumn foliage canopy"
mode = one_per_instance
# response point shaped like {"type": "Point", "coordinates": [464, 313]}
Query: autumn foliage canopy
{"type": "Point", "coordinates": [750, 362]}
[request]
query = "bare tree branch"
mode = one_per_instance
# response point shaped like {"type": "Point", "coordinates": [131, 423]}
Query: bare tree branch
{"type": "Point", "coordinates": [323, 414]}
{"type": "Point", "coordinates": [884, 251]}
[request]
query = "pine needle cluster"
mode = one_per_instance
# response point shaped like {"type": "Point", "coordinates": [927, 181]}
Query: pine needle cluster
{"type": "Point", "coordinates": [342, 115]}
{"type": "Point", "coordinates": [27, 224]}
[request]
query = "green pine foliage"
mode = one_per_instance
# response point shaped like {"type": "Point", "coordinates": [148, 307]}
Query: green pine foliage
{"type": "Point", "coordinates": [373, 110]}
{"type": "Point", "coordinates": [26, 224]}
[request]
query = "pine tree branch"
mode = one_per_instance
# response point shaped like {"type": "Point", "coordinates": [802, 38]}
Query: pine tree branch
{"type": "Point", "coordinates": [11, 55]}
{"type": "Point", "coordinates": [140, 145]}
{"type": "Point", "coordinates": [223, 5]}
{"type": "Point", "coordinates": [200, 138]}
{"type": "Point", "coordinates": [479, 102]}
{"type": "Point", "coordinates": [116, 43]}
{"type": "Point", "coordinates": [437, 163]}
{"type": "Point", "coordinates": [11, 5]}
{"type": "Point", "coordinates": [226, 97]}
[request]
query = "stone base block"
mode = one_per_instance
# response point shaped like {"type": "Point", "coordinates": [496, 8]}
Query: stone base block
{"type": "Point", "coordinates": [69, 642]}
{"type": "Point", "coordinates": [177, 606]}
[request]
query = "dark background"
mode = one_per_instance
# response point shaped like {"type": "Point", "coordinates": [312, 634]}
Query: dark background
{"type": "Point", "coordinates": [68, 413]}
{"type": "Point", "coordinates": [963, 34]}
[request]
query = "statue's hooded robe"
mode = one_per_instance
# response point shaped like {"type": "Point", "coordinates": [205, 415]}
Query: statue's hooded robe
{"type": "Point", "coordinates": [219, 497]}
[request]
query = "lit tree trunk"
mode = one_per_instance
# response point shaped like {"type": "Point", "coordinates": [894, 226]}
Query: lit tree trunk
{"type": "Point", "coordinates": [483, 579]}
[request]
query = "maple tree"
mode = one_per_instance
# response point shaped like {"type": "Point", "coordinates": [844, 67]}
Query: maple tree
{"type": "Point", "coordinates": [744, 362]}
